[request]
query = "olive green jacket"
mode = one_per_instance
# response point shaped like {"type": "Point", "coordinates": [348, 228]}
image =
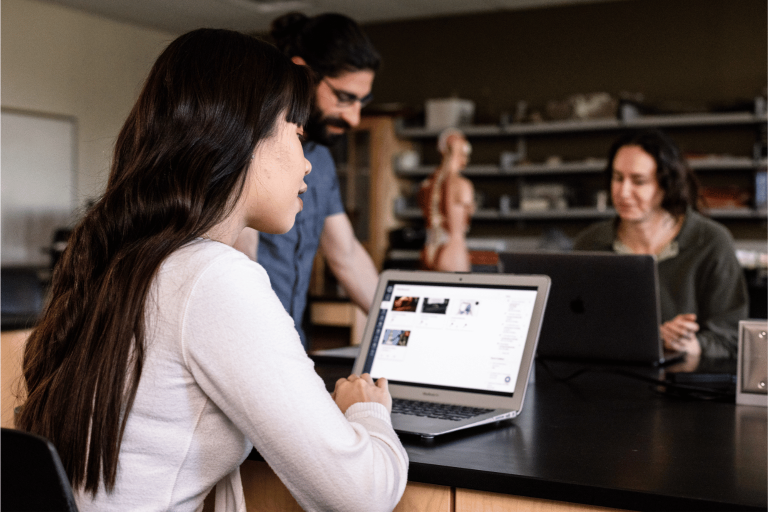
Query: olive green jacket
{"type": "Point", "coordinates": [698, 273]}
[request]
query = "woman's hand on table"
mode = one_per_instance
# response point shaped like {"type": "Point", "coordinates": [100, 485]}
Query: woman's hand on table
{"type": "Point", "coordinates": [679, 334]}
{"type": "Point", "coordinates": [361, 388]}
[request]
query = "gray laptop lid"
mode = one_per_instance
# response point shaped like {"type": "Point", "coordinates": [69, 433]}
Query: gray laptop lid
{"type": "Point", "coordinates": [603, 306]}
{"type": "Point", "coordinates": [464, 339]}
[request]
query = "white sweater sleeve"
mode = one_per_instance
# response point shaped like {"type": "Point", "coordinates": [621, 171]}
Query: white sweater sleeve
{"type": "Point", "coordinates": [242, 349]}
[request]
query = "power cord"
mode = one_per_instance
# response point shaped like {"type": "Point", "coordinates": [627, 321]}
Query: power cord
{"type": "Point", "coordinates": [663, 386]}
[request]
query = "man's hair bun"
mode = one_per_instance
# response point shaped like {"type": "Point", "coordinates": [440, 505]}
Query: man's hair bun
{"type": "Point", "coordinates": [286, 29]}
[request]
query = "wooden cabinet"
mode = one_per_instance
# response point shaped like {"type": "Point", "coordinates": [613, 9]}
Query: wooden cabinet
{"type": "Point", "coordinates": [12, 389]}
{"type": "Point", "coordinates": [369, 184]}
{"type": "Point", "coordinates": [480, 501]}
{"type": "Point", "coordinates": [426, 497]}
{"type": "Point", "coordinates": [369, 188]}
{"type": "Point", "coordinates": [339, 314]}
{"type": "Point", "coordinates": [264, 492]}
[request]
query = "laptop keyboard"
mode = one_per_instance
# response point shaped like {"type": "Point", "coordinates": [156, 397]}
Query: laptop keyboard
{"type": "Point", "coordinates": [435, 410]}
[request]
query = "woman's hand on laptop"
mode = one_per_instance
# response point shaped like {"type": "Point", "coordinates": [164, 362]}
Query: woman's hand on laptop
{"type": "Point", "coordinates": [679, 334]}
{"type": "Point", "coordinates": [361, 388]}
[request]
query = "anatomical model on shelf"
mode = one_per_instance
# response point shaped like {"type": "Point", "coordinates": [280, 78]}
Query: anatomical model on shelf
{"type": "Point", "coordinates": [446, 199]}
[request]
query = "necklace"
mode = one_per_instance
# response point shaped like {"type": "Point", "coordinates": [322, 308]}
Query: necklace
{"type": "Point", "coordinates": [650, 237]}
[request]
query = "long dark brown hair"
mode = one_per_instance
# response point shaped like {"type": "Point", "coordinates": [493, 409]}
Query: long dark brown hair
{"type": "Point", "coordinates": [179, 167]}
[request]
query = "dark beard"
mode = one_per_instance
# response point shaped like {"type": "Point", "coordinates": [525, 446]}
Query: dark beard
{"type": "Point", "coordinates": [316, 129]}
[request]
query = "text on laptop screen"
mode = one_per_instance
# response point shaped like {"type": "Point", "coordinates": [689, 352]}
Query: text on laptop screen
{"type": "Point", "coordinates": [451, 336]}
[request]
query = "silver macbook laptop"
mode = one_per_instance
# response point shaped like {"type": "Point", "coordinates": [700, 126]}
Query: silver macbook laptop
{"type": "Point", "coordinates": [457, 349]}
{"type": "Point", "coordinates": [603, 306]}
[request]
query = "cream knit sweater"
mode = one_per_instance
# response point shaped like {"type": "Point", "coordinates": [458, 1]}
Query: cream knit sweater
{"type": "Point", "coordinates": [225, 371]}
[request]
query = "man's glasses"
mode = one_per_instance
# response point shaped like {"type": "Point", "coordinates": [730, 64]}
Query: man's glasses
{"type": "Point", "coordinates": [347, 99]}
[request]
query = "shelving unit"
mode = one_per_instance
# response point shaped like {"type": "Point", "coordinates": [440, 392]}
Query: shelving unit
{"type": "Point", "coordinates": [512, 177]}
{"type": "Point", "coordinates": [592, 167]}
{"type": "Point", "coordinates": [412, 213]}
{"type": "Point", "coordinates": [664, 121]}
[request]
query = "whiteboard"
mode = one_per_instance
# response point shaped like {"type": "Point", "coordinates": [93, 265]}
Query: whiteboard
{"type": "Point", "coordinates": [38, 183]}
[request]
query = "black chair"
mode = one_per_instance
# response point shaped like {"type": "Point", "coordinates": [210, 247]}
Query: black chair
{"type": "Point", "coordinates": [33, 478]}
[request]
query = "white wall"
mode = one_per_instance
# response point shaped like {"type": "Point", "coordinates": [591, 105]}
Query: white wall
{"type": "Point", "coordinates": [38, 183]}
{"type": "Point", "coordinates": [64, 62]}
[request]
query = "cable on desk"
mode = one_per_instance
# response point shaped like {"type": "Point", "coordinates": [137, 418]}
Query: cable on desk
{"type": "Point", "coordinates": [670, 388]}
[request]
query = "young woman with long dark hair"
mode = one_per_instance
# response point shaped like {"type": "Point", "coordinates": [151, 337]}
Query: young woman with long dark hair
{"type": "Point", "coordinates": [164, 355]}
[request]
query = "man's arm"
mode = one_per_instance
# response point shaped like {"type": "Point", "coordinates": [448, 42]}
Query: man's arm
{"type": "Point", "coordinates": [348, 260]}
{"type": "Point", "coordinates": [248, 242]}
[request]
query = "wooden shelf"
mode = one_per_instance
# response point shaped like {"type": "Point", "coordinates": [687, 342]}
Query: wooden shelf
{"type": "Point", "coordinates": [725, 163]}
{"type": "Point", "coordinates": [413, 213]}
{"type": "Point", "coordinates": [577, 213]}
{"type": "Point", "coordinates": [584, 167]}
{"type": "Point", "coordinates": [663, 121]}
{"type": "Point", "coordinates": [737, 213]}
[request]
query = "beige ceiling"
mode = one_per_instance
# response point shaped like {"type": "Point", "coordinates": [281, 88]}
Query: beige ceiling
{"type": "Point", "coordinates": [255, 15]}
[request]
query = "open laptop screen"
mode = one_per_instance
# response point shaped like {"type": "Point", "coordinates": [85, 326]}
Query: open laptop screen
{"type": "Point", "coordinates": [451, 336]}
